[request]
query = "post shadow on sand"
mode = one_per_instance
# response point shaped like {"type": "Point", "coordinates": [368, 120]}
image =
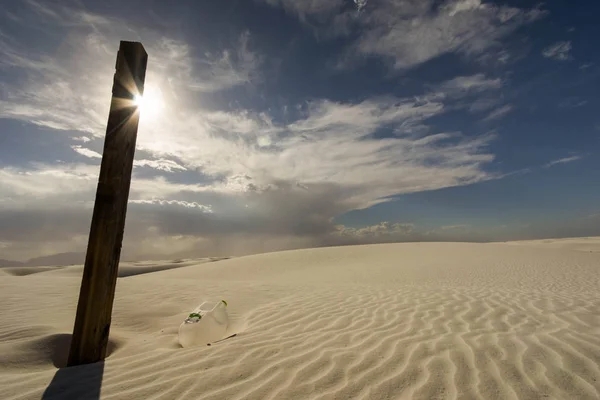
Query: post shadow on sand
{"type": "Point", "coordinates": [80, 382]}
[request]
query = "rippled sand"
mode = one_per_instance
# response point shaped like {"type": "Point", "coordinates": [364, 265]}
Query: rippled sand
{"type": "Point", "coordinates": [416, 321]}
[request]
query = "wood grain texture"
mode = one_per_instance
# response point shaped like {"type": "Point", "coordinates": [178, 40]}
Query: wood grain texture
{"type": "Point", "coordinates": [93, 318]}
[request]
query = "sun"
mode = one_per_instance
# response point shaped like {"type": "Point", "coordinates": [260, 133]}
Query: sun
{"type": "Point", "coordinates": [151, 103]}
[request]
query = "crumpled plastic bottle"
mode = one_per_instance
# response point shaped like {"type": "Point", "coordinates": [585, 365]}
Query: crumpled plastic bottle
{"type": "Point", "coordinates": [206, 324]}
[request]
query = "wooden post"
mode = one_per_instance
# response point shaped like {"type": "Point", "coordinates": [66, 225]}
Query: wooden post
{"type": "Point", "coordinates": [92, 322]}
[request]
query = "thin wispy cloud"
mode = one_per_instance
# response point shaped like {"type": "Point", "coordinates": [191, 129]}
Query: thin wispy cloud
{"type": "Point", "coordinates": [558, 51]}
{"type": "Point", "coordinates": [474, 83]}
{"type": "Point", "coordinates": [563, 160]}
{"type": "Point", "coordinates": [230, 68]}
{"type": "Point", "coordinates": [86, 152]}
{"type": "Point", "coordinates": [483, 104]}
{"type": "Point", "coordinates": [499, 112]}
{"type": "Point", "coordinates": [454, 227]}
{"type": "Point", "coordinates": [304, 8]}
{"type": "Point", "coordinates": [360, 4]}
{"type": "Point", "coordinates": [410, 33]}
{"type": "Point", "coordinates": [572, 102]}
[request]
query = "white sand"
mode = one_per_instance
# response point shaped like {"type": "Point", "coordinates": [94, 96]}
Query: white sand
{"type": "Point", "coordinates": [423, 321]}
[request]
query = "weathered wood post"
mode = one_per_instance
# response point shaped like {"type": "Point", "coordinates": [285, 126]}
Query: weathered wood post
{"type": "Point", "coordinates": [92, 321]}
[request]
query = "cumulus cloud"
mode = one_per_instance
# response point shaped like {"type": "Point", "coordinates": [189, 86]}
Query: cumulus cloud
{"type": "Point", "coordinates": [558, 51]}
{"type": "Point", "coordinates": [385, 228]}
{"type": "Point", "coordinates": [393, 232]}
{"type": "Point", "coordinates": [323, 164]}
{"type": "Point", "coordinates": [181, 203]}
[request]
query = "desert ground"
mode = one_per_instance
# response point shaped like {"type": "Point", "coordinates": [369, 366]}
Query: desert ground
{"type": "Point", "coordinates": [518, 320]}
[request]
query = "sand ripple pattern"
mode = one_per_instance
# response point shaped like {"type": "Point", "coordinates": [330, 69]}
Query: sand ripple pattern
{"type": "Point", "coordinates": [411, 343]}
{"type": "Point", "coordinates": [385, 344]}
{"type": "Point", "coordinates": [369, 341]}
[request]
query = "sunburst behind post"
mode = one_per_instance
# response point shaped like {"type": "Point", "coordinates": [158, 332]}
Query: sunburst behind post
{"type": "Point", "coordinates": [151, 103]}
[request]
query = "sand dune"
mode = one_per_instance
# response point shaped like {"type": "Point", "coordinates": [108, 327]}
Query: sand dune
{"type": "Point", "coordinates": [126, 269]}
{"type": "Point", "coordinates": [588, 244]}
{"type": "Point", "coordinates": [420, 320]}
{"type": "Point", "coordinates": [22, 271]}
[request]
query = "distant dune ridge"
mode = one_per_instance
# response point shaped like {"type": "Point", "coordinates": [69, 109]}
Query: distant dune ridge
{"type": "Point", "coordinates": [516, 320]}
{"type": "Point", "coordinates": [50, 260]}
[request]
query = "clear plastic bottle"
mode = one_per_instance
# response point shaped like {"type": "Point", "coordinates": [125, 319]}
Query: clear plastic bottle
{"type": "Point", "coordinates": [206, 324]}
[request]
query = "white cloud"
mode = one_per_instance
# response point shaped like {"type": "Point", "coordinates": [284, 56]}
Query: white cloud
{"type": "Point", "coordinates": [499, 112]}
{"type": "Point", "coordinates": [161, 165]}
{"type": "Point", "coordinates": [328, 150]}
{"type": "Point", "coordinates": [558, 51]}
{"type": "Point", "coordinates": [563, 160]}
{"type": "Point", "coordinates": [181, 203]}
{"type": "Point", "coordinates": [411, 32]}
{"type": "Point", "coordinates": [473, 92]}
{"type": "Point", "coordinates": [385, 228]}
{"type": "Point", "coordinates": [79, 73]}
{"type": "Point", "coordinates": [304, 8]}
{"type": "Point", "coordinates": [329, 145]}
{"type": "Point", "coordinates": [455, 7]}
{"type": "Point", "coordinates": [473, 83]}
{"type": "Point", "coordinates": [466, 86]}
{"type": "Point", "coordinates": [86, 152]}
{"type": "Point", "coordinates": [360, 4]}
{"type": "Point", "coordinates": [454, 227]}
{"type": "Point", "coordinates": [54, 185]}
{"type": "Point", "coordinates": [483, 104]}
{"type": "Point", "coordinates": [320, 165]}
{"type": "Point", "coordinates": [44, 181]}
{"type": "Point", "coordinates": [227, 69]}
{"type": "Point", "coordinates": [296, 175]}
{"type": "Point", "coordinates": [572, 102]}
{"type": "Point", "coordinates": [388, 232]}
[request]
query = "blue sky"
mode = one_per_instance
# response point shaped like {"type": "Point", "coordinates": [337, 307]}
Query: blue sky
{"type": "Point", "coordinates": [274, 124]}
